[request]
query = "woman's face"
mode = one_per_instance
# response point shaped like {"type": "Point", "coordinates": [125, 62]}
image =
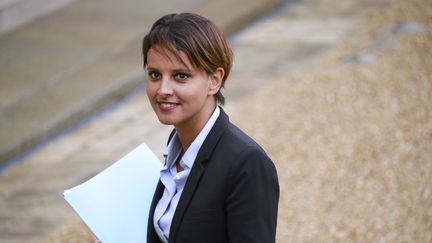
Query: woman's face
{"type": "Point", "coordinates": [179, 94]}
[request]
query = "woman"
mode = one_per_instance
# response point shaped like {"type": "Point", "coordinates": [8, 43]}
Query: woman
{"type": "Point", "coordinates": [217, 184]}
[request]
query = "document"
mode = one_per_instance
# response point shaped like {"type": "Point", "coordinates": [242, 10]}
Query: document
{"type": "Point", "coordinates": [115, 203]}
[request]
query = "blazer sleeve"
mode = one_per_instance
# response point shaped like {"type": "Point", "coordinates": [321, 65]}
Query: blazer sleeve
{"type": "Point", "coordinates": [252, 198]}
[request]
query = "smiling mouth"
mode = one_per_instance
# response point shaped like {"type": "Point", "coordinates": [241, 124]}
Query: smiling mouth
{"type": "Point", "coordinates": [165, 106]}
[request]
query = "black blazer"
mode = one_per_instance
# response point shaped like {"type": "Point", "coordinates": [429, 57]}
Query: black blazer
{"type": "Point", "coordinates": [231, 194]}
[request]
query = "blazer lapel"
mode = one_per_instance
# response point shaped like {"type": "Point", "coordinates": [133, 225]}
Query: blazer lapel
{"type": "Point", "coordinates": [185, 198]}
{"type": "Point", "coordinates": [197, 171]}
{"type": "Point", "coordinates": [151, 232]}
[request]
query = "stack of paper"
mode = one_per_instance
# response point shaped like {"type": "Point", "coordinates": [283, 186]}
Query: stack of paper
{"type": "Point", "coordinates": [115, 203]}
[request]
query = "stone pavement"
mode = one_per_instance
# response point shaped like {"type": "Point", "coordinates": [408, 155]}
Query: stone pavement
{"type": "Point", "coordinates": [291, 38]}
{"type": "Point", "coordinates": [63, 67]}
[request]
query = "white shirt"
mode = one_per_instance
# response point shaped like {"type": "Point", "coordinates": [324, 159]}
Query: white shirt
{"type": "Point", "coordinates": [174, 181]}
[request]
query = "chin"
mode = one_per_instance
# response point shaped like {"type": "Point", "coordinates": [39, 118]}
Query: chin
{"type": "Point", "coordinates": [166, 120]}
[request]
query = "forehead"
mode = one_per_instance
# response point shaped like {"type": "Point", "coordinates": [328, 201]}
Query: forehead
{"type": "Point", "coordinates": [159, 57]}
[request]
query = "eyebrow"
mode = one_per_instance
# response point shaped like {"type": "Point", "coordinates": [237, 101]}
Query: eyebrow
{"type": "Point", "coordinates": [179, 70]}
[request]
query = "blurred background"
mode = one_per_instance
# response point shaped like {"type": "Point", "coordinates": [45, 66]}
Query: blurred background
{"type": "Point", "coordinates": [338, 93]}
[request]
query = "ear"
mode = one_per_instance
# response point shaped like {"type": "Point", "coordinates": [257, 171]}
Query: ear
{"type": "Point", "coordinates": [216, 80]}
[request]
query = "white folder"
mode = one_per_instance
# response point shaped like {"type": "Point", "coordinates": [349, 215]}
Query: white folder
{"type": "Point", "coordinates": [115, 203]}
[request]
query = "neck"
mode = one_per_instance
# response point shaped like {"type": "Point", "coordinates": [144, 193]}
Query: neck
{"type": "Point", "coordinates": [188, 132]}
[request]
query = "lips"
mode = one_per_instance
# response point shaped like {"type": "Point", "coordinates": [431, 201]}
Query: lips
{"type": "Point", "coordinates": [167, 106]}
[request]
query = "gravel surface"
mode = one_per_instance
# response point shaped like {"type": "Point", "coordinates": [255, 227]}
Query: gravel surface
{"type": "Point", "coordinates": [353, 142]}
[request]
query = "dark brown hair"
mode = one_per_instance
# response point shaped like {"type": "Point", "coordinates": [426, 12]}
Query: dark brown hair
{"type": "Point", "coordinates": [197, 37]}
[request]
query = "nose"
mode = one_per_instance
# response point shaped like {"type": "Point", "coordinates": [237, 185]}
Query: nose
{"type": "Point", "coordinates": [165, 88]}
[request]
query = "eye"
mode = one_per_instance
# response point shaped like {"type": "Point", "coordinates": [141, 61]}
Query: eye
{"type": "Point", "coordinates": [154, 75]}
{"type": "Point", "coordinates": [181, 76]}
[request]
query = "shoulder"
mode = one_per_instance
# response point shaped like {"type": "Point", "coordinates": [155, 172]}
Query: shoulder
{"type": "Point", "coordinates": [239, 141]}
{"type": "Point", "coordinates": [242, 151]}
{"type": "Point", "coordinates": [230, 147]}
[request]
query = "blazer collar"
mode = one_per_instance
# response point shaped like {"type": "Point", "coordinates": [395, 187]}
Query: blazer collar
{"type": "Point", "coordinates": [197, 170]}
{"type": "Point", "coordinates": [213, 137]}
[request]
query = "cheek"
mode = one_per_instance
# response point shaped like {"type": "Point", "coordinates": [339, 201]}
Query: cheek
{"type": "Point", "coordinates": [191, 94]}
{"type": "Point", "coordinates": [199, 90]}
{"type": "Point", "coordinates": [151, 89]}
